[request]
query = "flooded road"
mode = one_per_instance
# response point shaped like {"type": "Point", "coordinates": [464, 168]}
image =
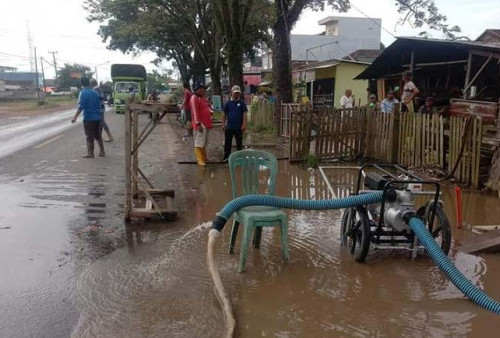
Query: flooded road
{"type": "Point", "coordinates": [72, 267]}
{"type": "Point", "coordinates": [159, 285]}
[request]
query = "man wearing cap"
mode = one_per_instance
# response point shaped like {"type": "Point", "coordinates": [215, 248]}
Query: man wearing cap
{"type": "Point", "coordinates": [428, 108]}
{"type": "Point", "coordinates": [202, 121]}
{"type": "Point", "coordinates": [234, 121]}
{"type": "Point", "coordinates": [89, 103]}
{"type": "Point", "coordinates": [388, 104]}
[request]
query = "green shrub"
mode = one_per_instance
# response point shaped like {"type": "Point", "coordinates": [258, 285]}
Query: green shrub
{"type": "Point", "coordinates": [311, 161]}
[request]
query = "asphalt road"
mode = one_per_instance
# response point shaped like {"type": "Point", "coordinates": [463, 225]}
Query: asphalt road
{"type": "Point", "coordinates": [58, 212]}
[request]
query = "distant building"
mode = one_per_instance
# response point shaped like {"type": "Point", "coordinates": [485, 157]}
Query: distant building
{"type": "Point", "coordinates": [490, 35]}
{"type": "Point", "coordinates": [342, 36]}
{"type": "Point", "coordinates": [7, 69]}
{"type": "Point", "coordinates": [324, 83]}
{"type": "Point", "coordinates": [21, 80]}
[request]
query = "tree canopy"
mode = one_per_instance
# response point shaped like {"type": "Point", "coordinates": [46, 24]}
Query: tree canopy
{"type": "Point", "coordinates": [70, 74]}
{"type": "Point", "coordinates": [215, 35]}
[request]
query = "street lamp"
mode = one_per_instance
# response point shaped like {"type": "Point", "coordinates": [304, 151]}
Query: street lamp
{"type": "Point", "coordinates": [95, 69]}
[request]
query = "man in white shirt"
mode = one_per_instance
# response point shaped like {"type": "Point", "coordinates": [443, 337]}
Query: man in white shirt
{"type": "Point", "coordinates": [409, 92]}
{"type": "Point", "coordinates": [347, 101]}
{"type": "Point", "coordinates": [388, 104]}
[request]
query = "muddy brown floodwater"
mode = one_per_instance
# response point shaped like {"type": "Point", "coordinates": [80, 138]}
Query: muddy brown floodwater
{"type": "Point", "coordinates": [159, 285]}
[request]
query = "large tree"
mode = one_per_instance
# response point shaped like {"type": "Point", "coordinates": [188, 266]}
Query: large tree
{"type": "Point", "coordinates": [415, 12]}
{"type": "Point", "coordinates": [244, 24]}
{"type": "Point", "coordinates": [176, 30]}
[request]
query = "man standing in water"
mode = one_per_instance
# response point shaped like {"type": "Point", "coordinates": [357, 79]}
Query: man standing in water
{"type": "Point", "coordinates": [90, 103]}
{"type": "Point", "coordinates": [234, 121]}
{"type": "Point", "coordinates": [202, 121]}
{"type": "Point", "coordinates": [104, 125]}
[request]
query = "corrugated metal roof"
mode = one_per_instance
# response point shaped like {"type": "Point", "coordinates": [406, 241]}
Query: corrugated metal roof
{"type": "Point", "coordinates": [427, 50]}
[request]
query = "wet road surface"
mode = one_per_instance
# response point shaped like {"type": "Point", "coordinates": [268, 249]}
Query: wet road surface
{"type": "Point", "coordinates": [70, 266]}
{"type": "Point", "coordinates": [21, 134]}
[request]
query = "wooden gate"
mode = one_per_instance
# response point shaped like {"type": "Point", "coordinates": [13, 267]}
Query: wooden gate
{"type": "Point", "coordinates": [337, 133]}
{"type": "Point", "coordinates": [300, 122]}
{"type": "Point", "coordinates": [263, 114]}
{"type": "Point", "coordinates": [286, 111]}
{"type": "Point", "coordinates": [380, 136]}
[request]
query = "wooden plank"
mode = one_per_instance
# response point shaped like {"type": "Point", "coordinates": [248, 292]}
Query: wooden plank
{"type": "Point", "coordinates": [149, 204]}
{"type": "Point", "coordinates": [402, 135]}
{"type": "Point", "coordinates": [128, 165]}
{"type": "Point", "coordinates": [475, 148]}
{"type": "Point", "coordinates": [477, 159]}
{"type": "Point", "coordinates": [147, 213]}
{"type": "Point", "coordinates": [467, 74]}
{"type": "Point", "coordinates": [390, 151]}
{"type": "Point", "coordinates": [432, 148]}
{"type": "Point", "coordinates": [153, 107]}
{"type": "Point", "coordinates": [385, 148]}
{"type": "Point", "coordinates": [452, 160]}
{"type": "Point", "coordinates": [135, 159]}
{"type": "Point", "coordinates": [441, 143]}
{"type": "Point", "coordinates": [488, 242]}
{"type": "Point", "coordinates": [161, 192]}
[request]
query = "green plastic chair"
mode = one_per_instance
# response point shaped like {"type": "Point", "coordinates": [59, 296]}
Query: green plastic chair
{"type": "Point", "coordinates": [251, 162]}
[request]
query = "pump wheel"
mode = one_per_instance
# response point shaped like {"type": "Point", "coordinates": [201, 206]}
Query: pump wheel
{"type": "Point", "coordinates": [356, 235]}
{"type": "Point", "coordinates": [440, 228]}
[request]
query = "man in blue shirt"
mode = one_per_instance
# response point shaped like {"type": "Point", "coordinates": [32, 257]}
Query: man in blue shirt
{"type": "Point", "coordinates": [89, 103]}
{"type": "Point", "coordinates": [234, 121]}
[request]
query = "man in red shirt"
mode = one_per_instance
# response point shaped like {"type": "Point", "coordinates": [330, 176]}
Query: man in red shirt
{"type": "Point", "coordinates": [202, 121]}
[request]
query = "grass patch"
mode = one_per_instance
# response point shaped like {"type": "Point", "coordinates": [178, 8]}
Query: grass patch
{"type": "Point", "coordinates": [262, 129]}
{"type": "Point", "coordinates": [50, 102]}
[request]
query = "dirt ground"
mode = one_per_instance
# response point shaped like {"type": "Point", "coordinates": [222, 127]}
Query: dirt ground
{"type": "Point", "coordinates": [30, 108]}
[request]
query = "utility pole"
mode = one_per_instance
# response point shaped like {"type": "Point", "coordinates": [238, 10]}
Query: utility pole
{"type": "Point", "coordinates": [37, 83]}
{"type": "Point", "coordinates": [95, 69]}
{"type": "Point", "coordinates": [30, 46]}
{"type": "Point", "coordinates": [55, 64]}
{"type": "Point", "coordinates": [43, 74]}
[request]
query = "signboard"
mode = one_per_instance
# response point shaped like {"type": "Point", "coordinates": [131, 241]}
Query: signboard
{"type": "Point", "coordinates": [217, 102]}
{"type": "Point", "coordinates": [486, 110]}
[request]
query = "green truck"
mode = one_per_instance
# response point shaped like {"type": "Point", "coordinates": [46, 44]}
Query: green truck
{"type": "Point", "coordinates": [128, 81]}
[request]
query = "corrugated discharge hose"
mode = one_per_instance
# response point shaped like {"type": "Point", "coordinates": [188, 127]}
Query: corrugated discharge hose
{"type": "Point", "coordinates": [442, 261]}
{"type": "Point", "coordinates": [472, 292]}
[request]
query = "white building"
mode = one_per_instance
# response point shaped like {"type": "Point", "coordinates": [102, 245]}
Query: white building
{"type": "Point", "coordinates": [342, 36]}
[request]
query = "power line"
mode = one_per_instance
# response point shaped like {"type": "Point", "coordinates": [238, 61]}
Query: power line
{"type": "Point", "coordinates": [374, 21]}
{"type": "Point", "coordinates": [14, 55]}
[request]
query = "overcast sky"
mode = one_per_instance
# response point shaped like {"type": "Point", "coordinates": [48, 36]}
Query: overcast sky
{"type": "Point", "coordinates": [61, 25]}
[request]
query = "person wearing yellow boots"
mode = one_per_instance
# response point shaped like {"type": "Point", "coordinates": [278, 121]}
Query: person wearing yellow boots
{"type": "Point", "coordinates": [202, 121]}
